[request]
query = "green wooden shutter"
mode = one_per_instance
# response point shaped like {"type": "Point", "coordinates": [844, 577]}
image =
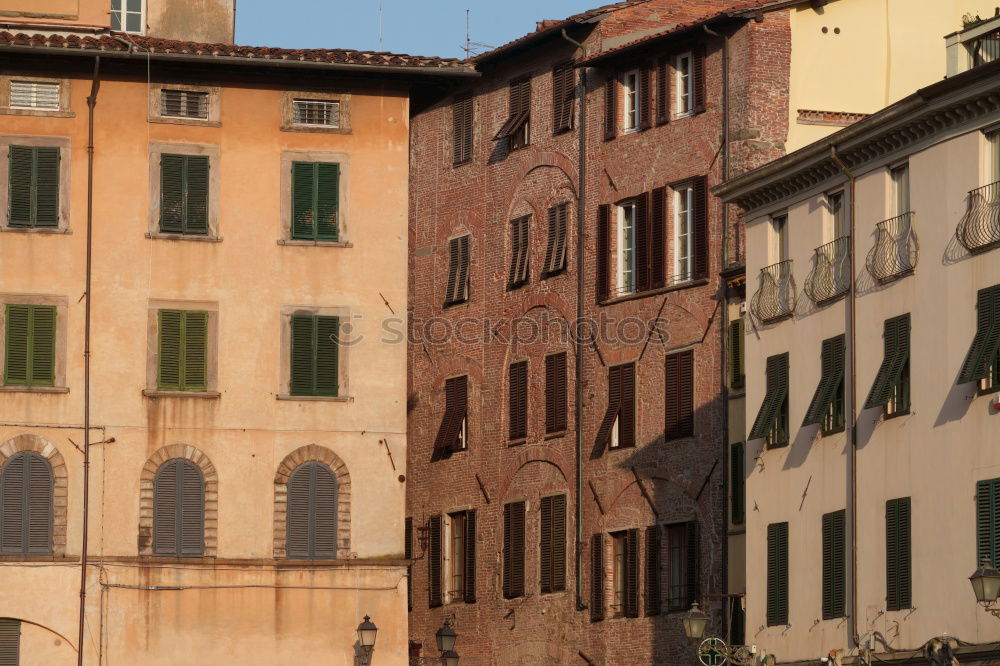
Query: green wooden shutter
{"type": "Point", "coordinates": [774, 400]}
{"type": "Point", "coordinates": [987, 341]}
{"type": "Point", "coordinates": [834, 579]}
{"type": "Point", "coordinates": [434, 561]}
{"type": "Point", "coordinates": [896, 338]}
{"type": "Point", "coordinates": [34, 186]}
{"type": "Point", "coordinates": [16, 345]}
{"type": "Point", "coordinates": [195, 357]}
{"type": "Point", "coordinates": [30, 345]}
{"type": "Point", "coordinates": [832, 373]}
{"type": "Point", "coordinates": [303, 196]}
{"type": "Point", "coordinates": [10, 641]}
{"type": "Point", "coordinates": [172, 169]}
{"type": "Point", "coordinates": [988, 522]}
{"type": "Point", "coordinates": [897, 553]}
{"type": "Point", "coordinates": [327, 201]}
{"type": "Point", "coordinates": [21, 165]}
{"type": "Point", "coordinates": [777, 574]}
{"type": "Point", "coordinates": [737, 482]}
{"type": "Point", "coordinates": [196, 185]}
{"type": "Point", "coordinates": [303, 367]}
{"type": "Point", "coordinates": [327, 356]}
{"type": "Point", "coordinates": [46, 187]}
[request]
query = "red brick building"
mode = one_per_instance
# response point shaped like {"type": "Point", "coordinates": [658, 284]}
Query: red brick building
{"type": "Point", "coordinates": [568, 455]}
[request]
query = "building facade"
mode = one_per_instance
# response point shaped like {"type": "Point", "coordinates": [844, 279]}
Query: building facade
{"type": "Point", "coordinates": [245, 393]}
{"type": "Point", "coordinates": [871, 383]}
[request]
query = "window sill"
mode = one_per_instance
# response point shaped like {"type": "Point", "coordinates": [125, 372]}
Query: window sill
{"type": "Point", "coordinates": [209, 395]}
{"type": "Point", "coordinates": [827, 433]}
{"type": "Point", "coordinates": [34, 230]}
{"type": "Point", "coordinates": [184, 237]}
{"type": "Point", "coordinates": [520, 441]}
{"type": "Point", "coordinates": [556, 435]}
{"type": "Point", "coordinates": [311, 243]}
{"type": "Point", "coordinates": [50, 113]}
{"type": "Point", "coordinates": [34, 389]}
{"type": "Point", "coordinates": [315, 398]}
{"type": "Point", "coordinates": [316, 129]}
{"type": "Point", "coordinates": [699, 282]}
{"type": "Point", "coordinates": [170, 120]}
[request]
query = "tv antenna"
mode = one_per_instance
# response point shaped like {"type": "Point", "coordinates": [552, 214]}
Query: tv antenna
{"type": "Point", "coordinates": [381, 6]}
{"type": "Point", "coordinates": [471, 48]}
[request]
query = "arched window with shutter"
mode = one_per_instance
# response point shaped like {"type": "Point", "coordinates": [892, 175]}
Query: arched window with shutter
{"type": "Point", "coordinates": [26, 505]}
{"type": "Point", "coordinates": [179, 509]}
{"type": "Point", "coordinates": [312, 512]}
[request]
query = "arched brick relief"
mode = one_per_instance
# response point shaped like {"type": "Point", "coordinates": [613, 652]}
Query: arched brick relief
{"type": "Point", "coordinates": [543, 159]}
{"type": "Point", "coordinates": [60, 481]}
{"type": "Point", "coordinates": [527, 455]}
{"type": "Point", "coordinates": [304, 454]}
{"type": "Point", "coordinates": [146, 479]}
{"type": "Point", "coordinates": [455, 365]}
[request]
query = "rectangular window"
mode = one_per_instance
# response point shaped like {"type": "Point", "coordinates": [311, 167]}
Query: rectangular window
{"type": "Point", "coordinates": [993, 157]}
{"type": "Point", "coordinates": [682, 549]}
{"type": "Point", "coordinates": [10, 641]}
{"type": "Point", "coordinates": [683, 85]}
{"type": "Point", "coordinates": [777, 574]}
{"type": "Point", "coordinates": [182, 350]}
{"type": "Point", "coordinates": [183, 103]}
{"type": "Point", "coordinates": [779, 238]}
{"type": "Point", "coordinates": [34, 95]}
{"type": "Point", "coordinates": [618, 573]}
{"type": "Point", "coordinates": [30, 345]}
{"type": "Point", "coordinates": [900, 176]}
{"type": "Point", "coordinates": [316, 112]}
{"type": "Point", "coordinates": [517, 128]}
{"type": "Point", "coordinates": [737, 377]}
{"type": "Point", "coordinates": [982, 362]}
{"type": "Point", "coordinates": [552, 546]}
{"type": "Point", "coordinates": [513, 550]}
{"type": "Point", "coordinates": [630, 109]}
{"type": "Point", "coordinates": [679, 395]}
{"type": "Point", "coordinates": [683, 233]}
{"type": "Point", "coordinates": [518, 400]}
{"type": "Point", "coordinates": [453, 434]}
{"type": "Point", "coordinates": [737, 482]}
{"type": "Point", "coordinates": [897, 554]}
{"type": "Point", "coordinates": [315, 201]}
{"type": "Point", "coordinates": [458, 271]}
{"type": "Point", "coordinates": [555, 249]}
{"type": "Point", "coordinates": [625, 573]}
{"type": "Point", "coordinates": [772, 419]}
{"type": "Point", "coordinates": [520, 251]}
{"type": "Point", "coordinates": [555, 393]}
{"type": "Point", "coordinates": [34, 187]}
{"type": "Point", "coordinates": [626, 259]}
{"type": "Point", "coordinates": [835, 222]}
{"type": "Point", "coordinates": [184, 194]}
{"type": "Point", "coordinates": [128, 16]}
{"type": "Point", "coordinates": [563, 92]}
{"type": "Point", "coordinates": [988, 522]}
{"type": "Point", "coordinates": [827, 405]}
{"type": "Point", "coordinates": [315, 355]}
{"type": "Point", "coordinates": [834, 569]}
{"type": "Point", "coordinates": [618, 426]}
{"type": "Point", "coordinates": [456, 556]}
{"type": "Point", "coordinates": [891, 389]}
{"type": "Point", "coordinates": [461, 113]}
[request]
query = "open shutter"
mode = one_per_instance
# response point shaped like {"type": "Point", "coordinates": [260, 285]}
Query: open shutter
{"type": "Point", "coordinates": [408, 555]}
{"type": "Point", "coordinates": [699, 219]}
{"type": "Point", "coordinates": [777, 574]}
{"type": "Point", "coordinates": [38, 506]}
{"type": "Point", "coordinates": [698, 72]}
{"type": "Point", "coordinates": [777, 393]}
{"type": "Point", "coordinates": [652, 570]}
{"type": "Point", "coordinates": [303, 368]}
{"type": "Point", "coordinates": [46, 187]}
{"type": "Point", "coordinates": [631, 573]}
{"type": "Point", "coordinates": [461, 111]}
{"type": "Point", "coordinates": [195, 362]}
{"type": "Point", "coordinates": [558, 543]}
{"type": "Point", "coordinates": [985, 344]}
{"type": "Point", "coordinates": [165, 510]}
{"type": "Point", "coordinates": [327, 355]}
{"type": "Point", "coordinates": [832, 363]}
{"type": "Point", "coordinates": [555, 393]}
{"type": "Point", "coordinates": [17, 345]}
{"type": "Point", "coordinates": [170, 350]}
{"type": "Point", "coordinates": [520, 251]}
{"type": "Point", "coordinates": [456, 407]}
{"type": "Point", "coordinates": [172, 193]}
{"type": "Point", "coordinates": [324, 510]}
{"type": "Point", "coordinates": [691, 564]}
{"type": "Point", "coordinates": [518, 398]}
{"type": "Point", "coordinates": [513, 550]}
{"type": "Point", "coordinates": [896, 338]}
{"type": "Point", "coordinates": [545, 544]}
{"type": "Point", "coordinates": [196, 199]}
{"type": "Point", "coordinates": [190, 509]}
{"type": "Point", "coordinates": [657, 238]}
{"type": "Point", "coordinates": [10, 641]}
{"type": "Point", "coordinates": [434, 561]}
{"type": "Point", "coordinates": [603, 251]}
{"type": "Point", "coordinates": [988, 522]}
{"type": "Point", "coordinates": [614, 406]}
{"type": "Point", "coordinates": [327, 204]}
{"type": "Point", "coordinates": [562, 97]}
{"type": "Point", "coordinates": [463, 269]}
{"type": "Point", "coordinates": [679, 395]}
{"type": "Point", "coordinates": [626, 416]}
{"type": "Point", "coordinates": [470, 557]}
{"type": "Point", "coordinates": [610, 108]}
{"type": "Point", "coordinates": [559, 255]}
{"type": "Point", "coordinates": [20, 179]}
{"type": "Point", "coordinates": [645, 98]}
{"type": "Point", "coordinates": [736, 339]}
{"type": "Point", "coordinates": [597, 577]}
{"type": "Point", "coordinates": [552, 239]}
{"type": "Point", "coordinates": [662, 92]}
{"type": "Point", "coordinates": [833, 565]}
{"type": "Point", "coordinates": [42, 361]}
{"type": "Point", "coordinates": [642, 242]}
{"type": "Point", "coordinates": [737, 482]}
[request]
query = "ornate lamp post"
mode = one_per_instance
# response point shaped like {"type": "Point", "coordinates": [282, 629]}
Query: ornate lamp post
{"type": "Point", "coordinates": [366, 638]}
{"type": "Point", "coordinates": [986, 585]}
{"type": "Point", "coordinates": [446, 638]}
{"type": "Point", "coordinates": [713, 651]}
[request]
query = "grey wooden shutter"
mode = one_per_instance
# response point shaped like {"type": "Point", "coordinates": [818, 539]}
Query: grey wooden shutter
{"type": "Point", "coordinates": [833, 565]}
{"type": "Point", "coordinates": [518, 400]}
{"type": "Point", "coordinates": [311, 512]}
{"type": "Point", "coordinates": [597, 577]}
{"type": "Point", "coordinates": [470, 557]}
{"type": "Point", "coordinates": [897, 554]}
{"type": "Point", "coordinates": [988, 522]}
{"type": "Point", "coordinates": [191, 509]}
{"type": "Point", "coordinates": [513, 551]}
{"type": "Point", "coordinates": [692, 563]}
{"type": "Point", "coordinates": [178, 509]}
{"type": "Point", "coordinates": [555, 393]}
{"type": "Point", "coordinates": [777, 574]}
{"type": "Point", "coordinates": [603, 252]}
{"type": "Point", "coordinates": [26, 486]}
{"type": "Point", "coordinates": [631, 573]}
{"type": "Point", "coordinates": [165, 510]}
{"type": "Point", "coordinates": [434, 561]}
{"type": "Point", "coordinates": [652, 570]}
{"type": "Point", "coordinates": [10, 641]}
{"type": "Point", "coordinates": [679, 395]}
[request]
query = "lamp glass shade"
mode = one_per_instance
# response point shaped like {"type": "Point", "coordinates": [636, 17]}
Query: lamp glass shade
{"type": "Point", "coordinates": [449, 658]}
{"type": "Point", "coordinates": [366, 633]}
{"type": "Point", "coordinates": [985, 583]}
{"type": "Point", "coordinates": [694, 622]}
{"type": "Point", "coordinates": [446, 638]}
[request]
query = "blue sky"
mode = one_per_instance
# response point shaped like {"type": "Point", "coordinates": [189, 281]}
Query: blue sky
{"type": "Point", "coordinates": [420, 27]}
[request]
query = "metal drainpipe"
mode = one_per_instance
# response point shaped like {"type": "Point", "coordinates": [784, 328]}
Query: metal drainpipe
{"type": "Point", "coordinates": [853, 458]}
{"type": "Point", "coordinates": [91, 103]}
{"type": "Point", "coordinates": [578, 343]}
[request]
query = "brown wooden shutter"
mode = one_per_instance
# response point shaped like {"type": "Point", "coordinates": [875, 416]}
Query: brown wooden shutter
{"type": "Point", "coordinates": [645, 98]}
{"type": "Point", "coordinates": [545, 544]}
{"type": "Point", "coordinates": [679, 394]}
{"type": "Point", "coordinates": [698, 72]}
{"type": "Point", "coordinates": [657, 237]}
{"type": "Point", "coordinates": [603, 251]}
{"type": "Point", "coordinates": [555, 393]}
{"type": "Point", "coordinates": [652, 570]}
{"type": "Point", "coordinates": [462, 125]}
{"type": "Point", "coordinates": [458, 270]}
{"type": "Point", "coordinates": [610, 108]}
{"type": "Point", "coordinates": [518, 398]}
{"type": "Point", "coordinates": [700, 222]}
{"type": "Point", "coordinates": [641, 227]}
{"type": "Point", "coordinates": [434, 561]}
{"type": "Point", "coordinates": [456, 395]}
{"type": "Point", "coordinates": [453, 259]}
{"type": "Point", "coordinates": [597, 577]}
{"type": "Point", "coordinates": [558, 543]}
{"type": "Point", "coordinates": [626, 416]}
{"type": "Point", "coordinates": [470, 557]}
{"type": "Point", "coordinates": [519, 251]}
{"type": "Point", "coordinates": [555, 251]}
{"type": "Point", "coordinates": [408, 555]}
{"type": "Point", "coordinates": [662, 92]}
{"type": "Point", "coordinates": [614, 406]}
{"type": "Point", "coordinates": [513, 550]}
{"type": "Point", "coordinates": [692, 563]}
{"type": "Point", "coordinates": [562, 97]}
{"type": "Point", "coordinates": [632, 573]}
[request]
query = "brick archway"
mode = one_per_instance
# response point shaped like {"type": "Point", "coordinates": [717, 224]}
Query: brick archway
{"type": "Point", "coordinates": [304, 454]}
{"type": "Point", "coordinates": [60, 483]}
{"type": "Point", "coordinates": [187, 452]}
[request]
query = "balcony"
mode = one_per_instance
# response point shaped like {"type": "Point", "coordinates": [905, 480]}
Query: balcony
{"type": "Point", "coordinates": [895, 252]}
{"type": "Point", "coordinates": [979, 228]}
{"type": "Point", "coordinates": [775, 296]}
{"type": "Point", "coordinates": [831, 274]}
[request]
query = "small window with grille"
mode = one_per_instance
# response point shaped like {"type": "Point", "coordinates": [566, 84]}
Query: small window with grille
{"type": "Point", "coordinates": [34, 95]}
{"type": "Point", "coordinates": [183, 104]}
{"type": "Point", "coordinates": [316, 112]}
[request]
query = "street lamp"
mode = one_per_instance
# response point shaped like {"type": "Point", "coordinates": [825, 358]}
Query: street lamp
{"type": "Point", "coordinates": [446, 638]}
{"type": "Point", "coordinates": [449, 658]}
{"type": "Point", "coordinates": [366, 638]}
{"type": "Point", "coordinates": [985, 583]}
{"type": "Point", "coordinates": [694, 622]}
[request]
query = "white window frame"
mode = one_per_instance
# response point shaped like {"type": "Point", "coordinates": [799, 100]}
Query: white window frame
{"type": "Point", "coordinates": [123, 14]}
{"type": "Point", "coordinates": [683, 233]}
{"type": "Point", "coordinates": [452, 565]}
{"type": "Point", "coordinates": [683, 85]}
{"type": "Point", "coordinates": [630, 106]}
{"type": "Point", "coordinates": [625, 280]}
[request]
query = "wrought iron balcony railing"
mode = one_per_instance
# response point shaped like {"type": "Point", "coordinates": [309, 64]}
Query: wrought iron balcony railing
{"type": "Point", "coordinates": [979, 228]}
{"type": "Point", "coordinates": [895, 251]}
{"type": "Point", "coordinates": [775, 296]}
{"type": "Point", "coordinates": [831, 274]}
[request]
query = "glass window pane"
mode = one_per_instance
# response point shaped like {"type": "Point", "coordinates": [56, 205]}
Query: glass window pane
{"type": "Point", "coordinates": [116, 21]}
{"type": "Point", "coordinates": [134, 5]}
{"type": "Point", "coordinates": [133, 23]}
{"type": "Point", "coordinates": [116, 5]}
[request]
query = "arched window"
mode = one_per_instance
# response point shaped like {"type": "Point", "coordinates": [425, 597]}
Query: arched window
{"type": "Point", "coordinates": [26, 505]}
{"type": "Point", "coordinates": [312, 512]}
{"type": "Point", "coordinates": [179, 509]}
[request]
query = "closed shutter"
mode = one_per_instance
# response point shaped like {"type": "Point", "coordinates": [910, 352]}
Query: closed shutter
{"type": "Point", "coordinates": [642, 242]}
{"type": "Point", "coordinates": [178, 509]}
{"type": "Point", "coordinates": [518, 376]}
{"type": "Point", "coordinates": [987, 341]}
{"type": "Point", "coordinates": [562, 97]}
{"type": "Point", "coordinates": [834, 570]}
{"type": "Point", "coordinates": [897, 553]}
{"type": "Point", "coordinates": [698, 72]}
{"type": "Point", "coordinates": [303, 194]}
{"type": "Point", "coordinates": [597, 577]}
{"type": "Point", "coordinates": [315, 201]}
{"type": "Point", "coordinates": [408, 555]}
{"type": "Point", "coordinates": [699, 219]}
{"type": "Point", "coordinates": [327, 204]}
{"type": "Point", "coordinates": [777, 574]}
{"type": "Point", "coordinates": [297, 514]}
{"type": "Point", "coordinates": [737, 482]}
{"type": "Point", "coordinates": [34, 186]}
{"type": "Point", "coordinates": [520, 238]}
{"type": "Point", "coordinates": [26, 506]}
{"type": "Point", "coordinates": [691, 563]}
{"type": "Point", "coordinates": [610, 108]}
{"type": "Point", "coordinates": [462, 128]}
{"type": "Point", "coordinates": [30, 345]}
{"type": "Point", "coordinates": [603, 251]}
{"type": "Point", "coordinates": [455, 410]}
{"type": "Point", "coordinates": [679, 395]}
{"type": "Point", "coordinates": [17, 345]}
{"type": "Point", "coordinates": [545, 544]}
{"type": "Point", "coordinates": [327, 356]}
{"type": "Point", "coordinates": [196, 203]}
{"type": "Point", "coordinates": [614, 406]}
{"type": "Point", "coordinates": [172, 194]}
{"type": "Point", "coordinates": [470, 557]}
{"type": "Point", "coordinates": [777, 394]}
{"type": "Point", "coordinates": [10, 641]}
{"type": "Point", "coordinates": [988, 522]}
{"type": "Point", "coordinates": [657, 237]}
{"type": "Point", "coordinates": [323, 510]}
{"type": "Point", "coordinates": [12, 510]}
{"type": "Point", "coordinates": [896, 343]}
{"type": "Point", "coordinates": [513, 550]}
{"type": "Point", "coordinates": [21, 183]}
{"type": "Point", "coordinates": [626, 416]}
{"type": "Point", "coordinates": [652, 570]}
{"type": "Point", "coordinates": [315, 351]}
{"type": "Point", "coordinates": [736, 340]}
{"type": "Point", "coordinates": [555, 393]}
{"type": "Point", "coordinates": [170, 351]}
{"type": "Point", "coordinates": [662, 92]}
{"type": "Point", "coordinates": [184, 183]}
{"type": "Point", "coordinates": [195, 357]}
{"type": "Point", "coordinates": [434, 561]}
{"type": "Point", "coordinates": [302, 369]}
{"type": "Point", "coordinates": [645, 98]}
{"type": "Point", "coordinates": [832, 374]}
{"type": "Point", "coordinates": [183, 350]}
{"type": "Point", "coordinates": [558, 543]}
{"type": "Point", "coordinates": [631, 573]}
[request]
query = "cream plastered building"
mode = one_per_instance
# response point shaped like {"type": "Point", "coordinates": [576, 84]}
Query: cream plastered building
{"type": "Point", "coordinates": [247, 379]}
{"type": "Point", "coordinates": [872, 384]}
